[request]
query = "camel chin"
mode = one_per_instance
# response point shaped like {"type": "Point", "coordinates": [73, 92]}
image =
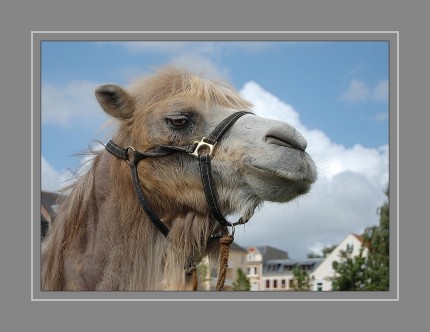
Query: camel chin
{"type": "Point", "coordinates": [282, 177]}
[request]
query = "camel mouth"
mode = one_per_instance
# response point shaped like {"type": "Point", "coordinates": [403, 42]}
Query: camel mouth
{"type": "Point", "coordinates": [278, 186]}
{"type": "Point", "coordinates": [283, 143]}
{"type": "Point", "coordinates": [284, 162]}
{"type": "Point", "coordinates": [303, 179]}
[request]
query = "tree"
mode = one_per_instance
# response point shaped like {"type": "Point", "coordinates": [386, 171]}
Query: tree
{"type": "Point", "coordinates": [241, 283]}
{"type": "Point", "coordinates": [350, 271]}
{"type": "Point", "coordinates": [202, 275]}
{"type": "Point", "coordinates": [325, 252]}
{"type": "Point", "coordinates": [367, 272]}
{"type": "Point", "coordinates": [301, 279]}
{"type": "Point", "coordinates": [376, 239]}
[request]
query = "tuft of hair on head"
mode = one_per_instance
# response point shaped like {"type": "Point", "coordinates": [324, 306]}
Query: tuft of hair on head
{"type": "Point", "coordinates": [176, 81]}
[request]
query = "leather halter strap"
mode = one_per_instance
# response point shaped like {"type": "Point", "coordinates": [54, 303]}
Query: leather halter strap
{"type": "Point", "coordinates": [202, 150]}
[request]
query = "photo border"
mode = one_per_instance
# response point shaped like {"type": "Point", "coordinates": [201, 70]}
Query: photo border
{"type": "Point", "coordinates": [390, 36]}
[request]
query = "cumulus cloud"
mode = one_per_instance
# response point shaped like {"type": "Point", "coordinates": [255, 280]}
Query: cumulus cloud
{"type": "Point", "coordinates": [344, 199]}
{"type": "Point", "coordinates": [200, 48]}
{"type": "Point", "coordinates": [52, 180]}
{"type": "Point", "coordinates": [381, 116]}
{"type": "Point", "coordinates": [154, 46]}
{"type": "Point", "coordinates": [380, 92]}
{"type": "Point", "coordinates": [358, 91]}
{"type": "Point", "coordinates": [70, 105]}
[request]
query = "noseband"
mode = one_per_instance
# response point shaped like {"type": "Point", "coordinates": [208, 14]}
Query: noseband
{"type": "Point", "coordinates": [203, 150]}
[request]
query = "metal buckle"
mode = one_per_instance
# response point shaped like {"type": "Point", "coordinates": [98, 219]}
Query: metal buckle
{"type": "Point", "coordinates": [202, 144]}
{"type": "Point", "coordinates": [129, 157]}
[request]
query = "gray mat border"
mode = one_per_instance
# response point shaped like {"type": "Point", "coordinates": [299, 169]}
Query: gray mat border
{"type": "Point", "coordinates": [391, 36]}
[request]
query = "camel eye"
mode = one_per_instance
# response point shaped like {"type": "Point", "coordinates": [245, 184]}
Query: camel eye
{"type": "Point", "coordinates": [178, 121]}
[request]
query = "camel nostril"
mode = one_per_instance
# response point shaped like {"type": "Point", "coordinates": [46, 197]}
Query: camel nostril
{"type": "Point", "coordinates": [287, 136]}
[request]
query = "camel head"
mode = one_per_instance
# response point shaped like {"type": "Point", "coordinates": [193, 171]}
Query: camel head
{"type": "Point", "coordinates": [256, 160]}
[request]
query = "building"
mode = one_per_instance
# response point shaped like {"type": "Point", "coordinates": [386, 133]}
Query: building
{"type": "Point", "coordinates": [278, 273]}
{"type": "Point", "coordinates": [269, 269]}
{"type": "Point", "coordinates": [236, 260]}
{"type": "Point", "coordinates": [323, 274]}
{"type": "Point", "coordinates": [48, 210]}
{"type": "Point", "coordinates": [256, 258]}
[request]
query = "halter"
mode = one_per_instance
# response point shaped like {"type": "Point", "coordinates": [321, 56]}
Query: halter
{"type": "Point", "coordinates": [202, 150]}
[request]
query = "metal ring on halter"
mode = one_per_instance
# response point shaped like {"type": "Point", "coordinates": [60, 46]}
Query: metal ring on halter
{"type": "Point", "coordinates": [232, 229]}
{"type": "Point", "coordinates": [240, 222]}
{"type": "Point", "coordinates": [126, 152]}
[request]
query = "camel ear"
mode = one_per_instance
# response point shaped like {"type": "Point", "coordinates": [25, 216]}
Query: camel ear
{"type": "Point", "coordinates": [115, 101]}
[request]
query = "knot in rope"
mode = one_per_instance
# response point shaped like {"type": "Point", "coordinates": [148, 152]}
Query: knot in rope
{"type": "Point", "coordinates": [225, 242]}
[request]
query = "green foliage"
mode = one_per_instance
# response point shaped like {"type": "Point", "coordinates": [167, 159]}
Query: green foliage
{"type": "Point", "coordinates": [202, 272]}
{"type": "Point", "coordinates": [325, 252]}
{"type": "Point", "coordinates": [241, 283]}
{"type": "Point", "coordinates": [371, 272]}
{"type": "Point", "coordinates": [376, 239]}
{"type": "Point", "coordinates": [351, 271]}
{"type": "Point", "coordinates": [301, 279]}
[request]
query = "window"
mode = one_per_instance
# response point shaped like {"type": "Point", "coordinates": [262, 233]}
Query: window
{"type": "Point", "coordinates": [283, 283]}
{"type": "Point", "coordinates": [319, 286]}
{"type": "Point", "coordinates": [275, 283]}
{"type": "Point", "coordinates": [267, 283]}
{"type": "Point", "coordinates": [252, 271]}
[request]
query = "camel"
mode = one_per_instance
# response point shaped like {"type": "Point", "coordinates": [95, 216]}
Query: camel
{"type": "Point", "coordinates": [104, 239]}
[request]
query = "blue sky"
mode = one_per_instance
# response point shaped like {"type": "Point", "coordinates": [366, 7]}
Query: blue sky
{"type": "Point", "coordinates": [336, 92]}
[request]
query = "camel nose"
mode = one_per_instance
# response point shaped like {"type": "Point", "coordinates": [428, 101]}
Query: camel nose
{"type": "Point", "coordinates": [286, 135]}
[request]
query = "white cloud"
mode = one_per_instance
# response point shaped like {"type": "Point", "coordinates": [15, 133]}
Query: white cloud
{"type": "Point", "coordinates": [200, 48]}
{"type": "Point", "coordinates": [197, 63]}
{"type": "Point", "coordinates": [70, 105]}
{"type": "Point", "coordinates": [270, 106]}
{"type": "Point", "coordinates": [154, 46]}
{"type": "Point", "coordinates": [381, 116]}
{"type": "Point", "coordinates": [356, 92]}
{"type": "Point", "coordinates": [344, 199]}
{"type": "Point", "coordinates": [52, 180]}
{"type": "Point", "coordinates": [380, 92]}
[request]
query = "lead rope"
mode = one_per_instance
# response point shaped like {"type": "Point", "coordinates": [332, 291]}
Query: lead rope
{"type": "Point", "coordinates": [225, 242]}
{"type": "Point", "coordinates": [195, 282]}
{"type": "Point", "coordinates": [205, 172]}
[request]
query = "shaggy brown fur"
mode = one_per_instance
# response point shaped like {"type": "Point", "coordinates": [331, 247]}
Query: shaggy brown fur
{"type": "Point", "coordinates": [101, 238]}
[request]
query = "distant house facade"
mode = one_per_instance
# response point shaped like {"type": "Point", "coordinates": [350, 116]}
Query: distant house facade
{"type": "Point", "coordinates": [278, 273]}
{"type": "Point", "coordinates": [270, 269]}
{"type": "Point", "coordinates": [323, 274]}
{"type": "Point", "coordinates": [48, 210]}
{"type": "Point", "coordinates": [256, 259]}
{"type": "Point", "coordinates": [236, 260]}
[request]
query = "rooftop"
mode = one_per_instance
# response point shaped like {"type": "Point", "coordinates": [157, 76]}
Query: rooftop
{"type": "Point", "coordinates": [275, 266]}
